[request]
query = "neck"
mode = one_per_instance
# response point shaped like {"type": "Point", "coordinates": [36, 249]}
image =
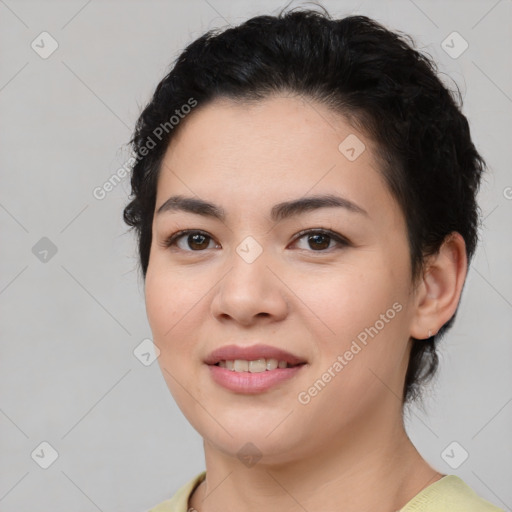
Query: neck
{"type": "Point", "coordinates": [375, 466]}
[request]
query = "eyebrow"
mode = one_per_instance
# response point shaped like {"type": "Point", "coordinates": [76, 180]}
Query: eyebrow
{"type": "Point", "coordinates": [279, 211]}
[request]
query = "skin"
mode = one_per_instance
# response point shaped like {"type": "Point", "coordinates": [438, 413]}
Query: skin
{"type": "Point", "coordinates": [348, 444]}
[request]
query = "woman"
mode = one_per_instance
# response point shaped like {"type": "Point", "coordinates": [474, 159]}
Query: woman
{"type": "Point", "coordinates": [304, 199]}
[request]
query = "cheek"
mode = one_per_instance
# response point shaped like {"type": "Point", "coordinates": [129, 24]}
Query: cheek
{"type": "Point", "coordinates": [351, 299]}
{"type": "Point", "coordinates": [365, 311]}
{"type": "Point", "coordinates": [160, 308]}
{"type": "Point", "coordinates": [168, 299]}
{"type": "Point", "coordinates": [169, 302]}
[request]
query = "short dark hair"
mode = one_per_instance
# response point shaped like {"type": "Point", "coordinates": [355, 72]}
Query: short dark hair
{"type": "Point", "coordinates": [365, 72]}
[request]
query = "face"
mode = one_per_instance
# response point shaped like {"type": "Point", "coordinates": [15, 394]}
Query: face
{"type": "Point", "coordinates": [329, 284]}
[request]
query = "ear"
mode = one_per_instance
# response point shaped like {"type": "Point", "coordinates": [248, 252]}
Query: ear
{"type": "Point", "coordinates": [438, 292]}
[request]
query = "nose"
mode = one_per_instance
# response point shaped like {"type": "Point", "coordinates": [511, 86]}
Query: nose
{"type": "Point", "coordinates": [251, 291]}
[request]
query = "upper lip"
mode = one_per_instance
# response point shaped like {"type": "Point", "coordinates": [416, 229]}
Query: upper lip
{"type": "Point", "coordinates": [251, 353]}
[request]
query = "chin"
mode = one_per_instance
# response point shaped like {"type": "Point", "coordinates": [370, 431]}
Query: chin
{"type": "Point", "coordinates": [255, 449]}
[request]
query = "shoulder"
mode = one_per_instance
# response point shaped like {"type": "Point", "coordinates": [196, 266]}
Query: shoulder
{"type": "Point", "coordinates": [449, 494]}
{"type": "Point", "coordinates": [179, 501]}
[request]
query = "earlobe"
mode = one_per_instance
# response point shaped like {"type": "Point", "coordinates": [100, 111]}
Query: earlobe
{"type": "Point", "coordinates": [441, 287]}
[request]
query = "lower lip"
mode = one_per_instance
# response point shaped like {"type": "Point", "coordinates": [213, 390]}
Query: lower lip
{"type": "Point", "coordinates": [250, 383]}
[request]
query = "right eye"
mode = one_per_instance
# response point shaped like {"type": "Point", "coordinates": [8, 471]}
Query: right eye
{"type": "Point", "coordinates": [195, 239]}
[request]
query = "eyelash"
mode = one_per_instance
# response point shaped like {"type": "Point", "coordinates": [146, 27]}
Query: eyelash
{"type": "Point", "coordinates": [339, 239]}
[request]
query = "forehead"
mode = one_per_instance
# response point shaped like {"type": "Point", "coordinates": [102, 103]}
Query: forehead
{"type": "Point", "coordinates": [245, 155]}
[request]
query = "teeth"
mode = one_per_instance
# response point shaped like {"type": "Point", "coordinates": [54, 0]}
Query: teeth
{"type": "Point", "coordinates": [241, 365]}
{"type": "Point", "coordinates": [255, 366]}
{"type": "Point", "coordinates": [272, 364]}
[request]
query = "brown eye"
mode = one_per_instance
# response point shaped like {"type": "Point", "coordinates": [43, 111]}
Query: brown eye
{"type": "Point", "coordinates": [194, 241]}
{"type": "Point", "coordinates": [197, 241]}
{"type": "Point", "coordinates": [320, 239]}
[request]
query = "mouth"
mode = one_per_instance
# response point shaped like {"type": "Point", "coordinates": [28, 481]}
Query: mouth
{"type": "Point", "coordinates": [256, 365]}
{"type": "Point", "coordinates": [253, 369]}
{"type": "Point", "coordinates": [254, 359]}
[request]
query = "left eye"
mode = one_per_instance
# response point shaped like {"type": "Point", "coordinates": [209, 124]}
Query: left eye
{"type": "Point", "coordinates": [318, 239]}
{"type": "Point", "coordinates": [193, 238]}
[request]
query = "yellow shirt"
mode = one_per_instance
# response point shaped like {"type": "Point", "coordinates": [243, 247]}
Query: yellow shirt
{"type": "Point", "coordinates": [449, 494]}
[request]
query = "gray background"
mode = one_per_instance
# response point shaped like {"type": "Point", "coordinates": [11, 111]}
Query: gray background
{"type": "Point", "coordinates": [70, 324]}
